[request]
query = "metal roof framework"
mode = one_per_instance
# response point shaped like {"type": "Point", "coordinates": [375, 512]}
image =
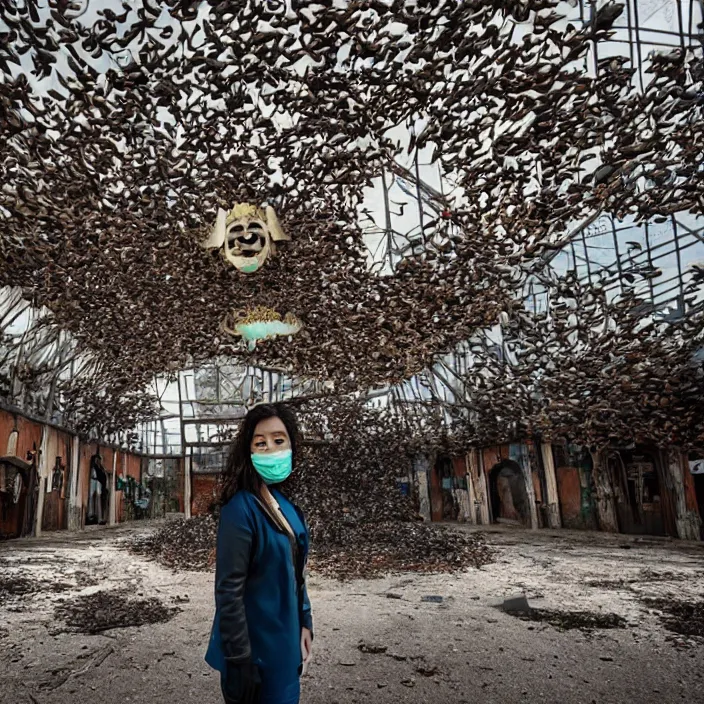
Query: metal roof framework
{"type": "Point", "coordinates": [200, 406]}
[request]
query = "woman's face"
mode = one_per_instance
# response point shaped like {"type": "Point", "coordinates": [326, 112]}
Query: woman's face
{"type": "Point", "coordinates": [270, 435]}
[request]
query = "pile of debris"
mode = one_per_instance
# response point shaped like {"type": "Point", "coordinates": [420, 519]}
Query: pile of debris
{"type": "Point", "coordinates": [567, 620]}
{"type": "Point", "coordinates": [372, 550]}
{"type": "Point", "coordinates": [359, 550]}
{"type": "Point", "coordinates": [180, 544]}
{"type": "Point", "coordinates": [102, 611]}
{"type": "Point", "coordinates": [14, 587]}
{"type": "Point", "coordinates": [685, 618]}
{"type": "Point", "coordinates": [361, 523]}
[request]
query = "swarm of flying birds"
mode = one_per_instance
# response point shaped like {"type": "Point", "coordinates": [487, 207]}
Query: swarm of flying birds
{"type": "Point", "coordinates": [125, 127]}
{"type": "Point", "coordinates": [590, 369]}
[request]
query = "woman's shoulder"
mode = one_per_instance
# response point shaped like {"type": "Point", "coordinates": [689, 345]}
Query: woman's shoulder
{"type": "Point", "coordinates": [239, 506]}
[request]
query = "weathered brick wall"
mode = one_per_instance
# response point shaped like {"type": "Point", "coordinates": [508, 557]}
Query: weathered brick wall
{"type": "Point", "coordinates": [206, 490]}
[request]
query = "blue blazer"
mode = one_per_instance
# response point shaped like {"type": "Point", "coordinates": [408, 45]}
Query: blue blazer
{"type": "Point", "coordinates": [275, 608]}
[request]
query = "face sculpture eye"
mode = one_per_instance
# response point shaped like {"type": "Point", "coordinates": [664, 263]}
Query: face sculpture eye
{"type": "Point", "coordinates": [275, 7]}
{"type": "Point", "coordinates": [253, 238]}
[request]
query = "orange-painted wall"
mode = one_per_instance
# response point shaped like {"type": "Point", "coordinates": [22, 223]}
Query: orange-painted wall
{"type": "Point", "coordinates": [133, 466]}
{"type": "Point", "coordinates": [7, 423]}
{"type": "Point", "coordinates": [493, 455]}
{"type": "Point", "coordinates": [569, 490]}
{"type": "Point", "coordinates": [55, 515]}
{"type": "Point", "coordinates": [206, 490]}
{"type": "Point", "coordinates": [29, 438]}
{"type": "Point", "coordinates": [459, 465]}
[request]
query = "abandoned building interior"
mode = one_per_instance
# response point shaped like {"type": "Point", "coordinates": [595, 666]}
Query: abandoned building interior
{"type": "Point", "coordinates": [463, 241]}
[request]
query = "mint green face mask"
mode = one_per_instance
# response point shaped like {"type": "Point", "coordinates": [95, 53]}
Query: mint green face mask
{"type": "Point", "coordinates": [273, 467]}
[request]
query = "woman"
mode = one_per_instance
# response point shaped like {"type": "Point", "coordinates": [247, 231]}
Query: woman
{"type": "Point", "coordinates": [263, 631]}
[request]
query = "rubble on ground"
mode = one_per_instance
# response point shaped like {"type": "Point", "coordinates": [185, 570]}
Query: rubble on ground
{"type": "Point", "coordinates": [568, 620]}
{"type": "Point", "coordinates": [360, 550]}
{"type": "Point", "coordinates": [15, 589]}
{"type": "Point", "coordinates": [685, 618]}
{"type": "Point", "coordinates": [105, 610]}
{"type": "Point", "coordinates": [13, 586]}
{"type": "Point", "coordinates": [372, 550]}
{"type": "Point", "coordinates": [182, 544]}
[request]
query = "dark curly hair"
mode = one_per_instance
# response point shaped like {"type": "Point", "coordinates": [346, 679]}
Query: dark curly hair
{"type": "Point", "coordinates": [239, 472]}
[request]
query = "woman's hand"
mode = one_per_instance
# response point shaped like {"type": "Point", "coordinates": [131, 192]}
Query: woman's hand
{"type": "Point", "coordinates": [306, 647]}
{"type": "Point", "coordinates": [241, 684]}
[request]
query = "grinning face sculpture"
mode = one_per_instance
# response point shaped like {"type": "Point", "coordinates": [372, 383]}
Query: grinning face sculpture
{"type": "Point", "coordinates": [247, 235]}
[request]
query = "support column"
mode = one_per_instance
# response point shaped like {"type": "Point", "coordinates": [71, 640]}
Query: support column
{"type": "Point", "coordinates": [687, 518]}
{"type": "Point", "coordinates": [113, 483]}
{"type": "Point", "coordinates": [606, 505]}
{"type": "Point", "coordinates": [480, 486]}
{"type": "Point", "coordinates": [530, 489]}
{"type": "Point", "coordinates": [472, 515]}
{"type": "Point", "coordinates": [41, 476]}
{"type": "Point", "coordinates": [74, 501]}
{"type": "Point", "coordinates": [518, 453]}
{"type": "Point", "coordinates": [187, 461]}
{"type": "Point", "coordinates": [420, 471]}
{"type": "Point", "coordinates": [553, 498]}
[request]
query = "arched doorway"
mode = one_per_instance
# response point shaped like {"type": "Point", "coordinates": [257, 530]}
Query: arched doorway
{"type": "Point", "coordinates": [509, 497]}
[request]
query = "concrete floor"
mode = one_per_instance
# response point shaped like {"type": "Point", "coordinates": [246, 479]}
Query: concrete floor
{"type": "Point", "coordinates": [461, 649]}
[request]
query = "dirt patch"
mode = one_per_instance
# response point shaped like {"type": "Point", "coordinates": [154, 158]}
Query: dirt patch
{"type": "Point", "coordinates": [15, 589]}
{"type": "Point", "coordinates": [569, 620]}
{"type": "Point", "coordinates": [683, 617]}
{"type": "Point", "coordinates": [102, 611]}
